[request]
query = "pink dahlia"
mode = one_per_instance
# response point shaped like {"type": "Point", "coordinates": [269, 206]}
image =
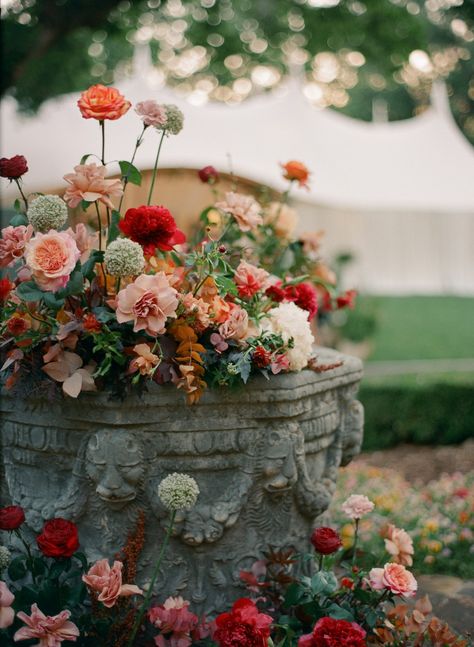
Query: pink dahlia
{"type": "Point", "coordinates": [245, 209]}
{"type": "Point", "coordinates": [88, 183]}
{"type": "Point", "coordinates": [13, 242]}
{"type": "Point", "coordinates": [50, 630]}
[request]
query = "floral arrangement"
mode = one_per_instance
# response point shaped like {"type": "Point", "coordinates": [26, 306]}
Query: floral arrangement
{"type": "Point", "coordinates": [54, 596]}
{"type": "Point", "coordinates": [133, 301]}
{"type": "Point", "coordinates": [438, 515]}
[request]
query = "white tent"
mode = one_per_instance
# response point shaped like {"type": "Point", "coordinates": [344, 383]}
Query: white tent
{"type": "Point", "coordinates": [400, 194]}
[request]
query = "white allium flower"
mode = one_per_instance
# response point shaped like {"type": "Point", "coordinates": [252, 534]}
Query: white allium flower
{"type": "Point", "coordinates": [123, 257]}
{"type": "Point", "coordinates": [5, 558]}
{"type": "Point", "coordinates": [47, 212]}
{"type": "Point", "coordinates": [291, 322]}
{"type": "Point", "coordinates": [174, 119]}
{"type": "Point", "coordinates": [178, 492]}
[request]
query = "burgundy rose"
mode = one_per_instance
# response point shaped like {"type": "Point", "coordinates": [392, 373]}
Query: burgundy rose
{"type": "Point", "coordinates": [305, 296]}
{"type": "Point", "coordinates": [13, 167]}
{"type": "Point", "coordinates": [243, 626]}
{"type": "Point", "coordinates": [11, 517]}
{"type": "Point", "coordinates": [58, 538]}
{"type": "Point", "coordinates": [325, 540]}
{"type": "Point", "coordinates": [328, 632]}
{"type": "Point", "coordinates": [152, 227]}
{"type": "Point", "coordinates": [275, 292]}
{"type": "Point", "coordinates": [208, 175]}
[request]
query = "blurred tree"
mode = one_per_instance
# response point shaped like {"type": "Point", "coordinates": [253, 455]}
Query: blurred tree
{"type": "Point", "coordinates": [357, 54]}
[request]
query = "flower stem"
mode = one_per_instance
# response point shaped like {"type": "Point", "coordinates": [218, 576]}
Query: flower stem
{"type": "Point", "coordinates": [28, 552]}
{"type": "Point", "coordinates": [356, 537]}
{"type": "Point", "coordinates": [320, 564]}
{"type": "Point", "coordinates": [99, 223]}
{"type": "Point", "coordinates": [149, 592]}
{"type": "Point", "coordinates": [125, 179]}
{"type": "Point", "coordinates": [102, 128]}
{"type": "Point", "coordinates": [153, 177]}
{"type": "Point", "coordinates": [18, 183]}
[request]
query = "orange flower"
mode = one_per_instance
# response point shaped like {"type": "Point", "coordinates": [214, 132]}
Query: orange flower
{"type": "Point", "coordinates": [145, 362]}
{"type": "Point", "coordinates": [100, 102]}
{"type": "Point", "coordinates": [296, 171]}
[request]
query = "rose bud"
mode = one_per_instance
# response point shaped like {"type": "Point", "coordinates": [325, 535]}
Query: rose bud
{"type": "Point", "coordinates": [208, 175]}
{"type": "Point", "coordinates": [11, 517]}
{"type": "Point", "coordinates": [13, 167]}
{"type": "Point", "coordinates": [325, 540]}
{"type": "Point", "coordinates": [222, 249]}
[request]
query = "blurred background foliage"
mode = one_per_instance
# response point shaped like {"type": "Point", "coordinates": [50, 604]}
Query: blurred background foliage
{"type": "Point", "coordinates": [366, 58]}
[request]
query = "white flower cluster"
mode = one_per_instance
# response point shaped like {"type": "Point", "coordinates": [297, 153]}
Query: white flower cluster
{"type": "Point", "coordinates": [47, 212]}
{"type": "Point", "coordinates": [174, 119]}
{"type": "Point", "coordinates": [123, 257]}
{"type": "Point", "coordinates": [292, 322]}
{"type": "Point", "coordinates": [178, 492]}
{"type": "Point", "coordinates": [5, 558]}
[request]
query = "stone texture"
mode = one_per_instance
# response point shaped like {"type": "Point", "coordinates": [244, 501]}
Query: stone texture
{"type": "Point", "coordinates": [266, 459]}
{"type": "Point", "coordinates": [452, 600]}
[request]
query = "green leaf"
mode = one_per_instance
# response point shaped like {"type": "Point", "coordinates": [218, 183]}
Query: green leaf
{"type": "Point", "coordinates": [29, 291]}
{"type": "Point", "coordinates": [114, 230]}
{"type": "Point", "coordinates": [17, 568]}
{"type": "Point", "coordinates": [17, 205]}
{"type": "Point", "coordinates": [87, 268]}
{"type": "Point", "coordinates": [38, 566]}
{"type": "Point", "coordinates": [75, 284]}
{"type": "Point", "coordinates": [18, 219]}
{"type": "Point", "coordinates": [52, 300]}
{"type": "Point", "coordinates": [84, 158]}
{"type": "Point", "coordinates": [294, 594]}
{"type": "Point", "coordinates": [83, 559]}
{"type": "Point", "coordinates": [130, 173]}
{"type": "Point", "coordinates": [85, 205]}
{"type": "Point", "coordinates": [225, 285]}
{"type": "Point", "coordinates": [338, 613]}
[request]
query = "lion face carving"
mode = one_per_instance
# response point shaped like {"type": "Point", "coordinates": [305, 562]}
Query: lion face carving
{"type": "Point", "coordinates": [114, 463]}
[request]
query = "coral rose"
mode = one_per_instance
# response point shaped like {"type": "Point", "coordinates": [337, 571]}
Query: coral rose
{"type": "Point", "coordinates": [250, 279]}
{"type": "Point", "coordinates": [325, 540]}
{"type": "Point", "coordinates": [329, 632]}
{"type": "Point", "coordinates": [100, 102]}
{"type": "Point", "coordinates": [237, 325]}
{"type": "Point", "coordinates": [13, 243]}
{"type": "Point", "coordinates": [107, 582]}
{"type": "Point", "coordinates": [11, 517]}
{"type": "Point", "coordinates": [395, 578]}
{"type": "Point", "coordinates": [50, 630]}
{"type": "Point", "coordinates": [296, 172]}
{"type": "Point", "coordinates": [14, 167]}
{"type": "Point", "coordinates": [88, 183]}
{"type": "Point", "coordinates": [244, 626]}
{"type": "Point", "coordinates": [7, 614]}
{"type": "Point", "coordinates": [357, 505]}
{"type": "Point", "coordinates": [152, 227]}
{"type": "Point", "coordinates": [51, 258]}
{"type": "Point", "coordinates": [145, 362]}
{"type": "Point", "coordinates": [245, 209]}
{"type": "Point", "coordinates": [148, 302]}
{"type": "Point", "coordinates": [59, 538]}
{"type": "Point", "coordinates": [398, 544]}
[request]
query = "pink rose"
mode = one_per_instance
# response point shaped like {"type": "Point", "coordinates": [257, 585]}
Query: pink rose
{"type": "Point", "coordinates": [236, 326]}
{"type": "Point", "coordinates": [50, 630]}
{"type": "Point", "coordinates": [148, 302]}
{"type": "Point", "coordinates": [7, 615]}
{"type": "Point", "coordinates": [250, 279]}
{"type": "Point", "coordinates": [245, 209]}
{"type": "Point", "coordinates": [107, 582]}
{"type": "Point", "coordinates": [84, 240]}
{"type": "Point", "coordinates": [13, 243]}
{"type": "Point", "coordinates": [51, 258]}
{"type": "Point", "coordinates": [151, 112]}
{"type": "Point", "coordinates": [88, 183]}
{"type": "Point", "coordinates": [395, 578]}
{"type": "Point", "coordinates": [357, 505]}
{"type": "Point", "coordinates": [398, 544]}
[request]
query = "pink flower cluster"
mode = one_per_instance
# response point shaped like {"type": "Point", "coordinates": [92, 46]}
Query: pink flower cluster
{"type": "Point", "coordinates": [178, 626]}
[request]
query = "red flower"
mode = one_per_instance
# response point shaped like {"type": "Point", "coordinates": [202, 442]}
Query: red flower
{"type": "Point", "coordinates": [91, 323]}
{"type": "Point", "coordinates": [296, 171]}
{"type": "Point", "coordinates": [347, 583]}
{"type": "Point", "coordinates": [18, 325]}
{"type": "Point", "coordinates": [305, 296]}
{"type": "Point", "coordinates": [347, 300]}
{"type": "Point", "coordinates": [11, 517]}
{"type": "Point", "coordinates": [208, 175]}
{"type": "Point", "coordinates": [261, 357]}
{"type": "Point", "coordinates": [152, 227]}
{"type": "Point", "coordinates": [243, 626]}
{"type": "Point", "coordinates": [59, 538]}
{"type": "Point", "coordinates": [325, 540]}
{"type": "Point", "coordinates": [14, 167]}
{"type": "Point", "coordinates": [6, 286]}
{"type": "Point", "coordinates": [328, 632]}
{"type": "Point", "coordinates": [275, 292]}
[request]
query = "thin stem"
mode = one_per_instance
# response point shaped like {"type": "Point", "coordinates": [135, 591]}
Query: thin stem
{"type": "Point", "coordinates": [356, 537]}
{"type": "Point", "coordinates": [28, 551]}
{"type": "Point", "coordinates": [125, 179]}
{"type": "Point", "coordinates": [320, 564]}
{"type": "Point", "coordinates": [155, 167]}
{"type": "Point", "coordinates": [99, 223]}
{"type": "Point", "coordinates": [149, 592]}
{"type": "Point", "coordinates": [18, 183]}
{"type": "Point", "coordinates": [102, 128]}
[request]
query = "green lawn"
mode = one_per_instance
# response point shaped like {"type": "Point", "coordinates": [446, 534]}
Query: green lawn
{"type": "Point", "coordinates": [422, 327]}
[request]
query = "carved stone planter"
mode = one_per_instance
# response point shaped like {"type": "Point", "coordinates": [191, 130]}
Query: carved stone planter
{"type": "Point", "coordinates": [265, 457]}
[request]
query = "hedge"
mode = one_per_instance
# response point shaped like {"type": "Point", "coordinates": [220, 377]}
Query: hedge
{"type": "Point", "coordinates": [435, 414]}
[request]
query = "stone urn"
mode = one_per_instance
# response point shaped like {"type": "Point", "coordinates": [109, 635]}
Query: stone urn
{"type": "Point", "coordinates": [265, 457]}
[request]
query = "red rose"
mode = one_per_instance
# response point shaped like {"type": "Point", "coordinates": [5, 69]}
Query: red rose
{"type": "Point", "coordinates": [243, 626]}
{"type": "Point", "coordinates": [152, 227]}
{"type": "Point", "coordinates": [275, 292]}
{"type": "Point", "coordinates": [347, 300]}
{"type": "Point", "coordinates": [325, 540]}
{"type": "Point", "coordinates": [6, 286]}
{"type": "Point", "coordinates": [14, 167]}
{"type": "Point", "coordinates": [305, 296]}
{"type": "Point", "coordinates": [296, 171]}
{"type": "Point", "coordinates": [208, 174]}
{"type": "Point", "coordinates": [59, 538]}
{"type": "Point", "coordinates": [328, 632]}
{"type": "Point", "coordinates": [261, 357]}
{"type": "Point", "coordinates": [11, 517]}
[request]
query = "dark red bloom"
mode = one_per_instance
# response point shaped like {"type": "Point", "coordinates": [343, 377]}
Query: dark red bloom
{"type": "Point", "coordinates": [347, 583]}
{"type": "Point", "coordinates": [91, 323]}
{"type": "Point", "coordinates": [328, 632]}
{"type": "Point", "coordinates": [305, 296]}
{"type": "Point", "coordinates": [152, 227]}
{"type": "Point", "coordinates": [208, 175]}
{"type": "Point", "coordinates": [6, 286]}
{"type": "Point", "coordinates": [59, 538]}
{"type": "Point", "coordinates": [13, 167]}
{"type": "Point", "coordinates": [11, 517]}
{"type": "Point", "coordinates": [325, 540]}
{"type": "Point", "coordinates": [275, 292]}
{"type": "Point", "coordinates": [261, 357]}
{"type": "Point", "coordinates": [17, 325]}
{"type": "Point", "coordinates": [243, 626]}
{"type": "Point", "coordinates": [347, 300]}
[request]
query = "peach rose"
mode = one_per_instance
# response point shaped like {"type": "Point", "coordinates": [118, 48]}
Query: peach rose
{"type": "Point", "coordinates": [13, 242]}
{"type": "Point", "coordinates": [196, 308]}
{"type": "Point", "coordinates": [395, 578]}
{"type": "Point", "coordinates": [357, 506]}
{"type": "Point", "coordinates": [107, 582]}
{"type": "Point", "coordinates": [145, 362]}
{"type": "Point", "coordinates": [100, 102]}
{"type": "Point", "coordinates": [236, 326]}
{"type": "Point", "coordinates": [245, 209]}
{"type": "Point", "coordinates": [51, 258]}
{"type": "Point", "coordinates": [148, 302]}
{"type": "Point", "coordinates": [398, 544]}
{"type": "Point", "coordinates": [88, 183]}
{"type": "Point", "coordinates": [7, 614]}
